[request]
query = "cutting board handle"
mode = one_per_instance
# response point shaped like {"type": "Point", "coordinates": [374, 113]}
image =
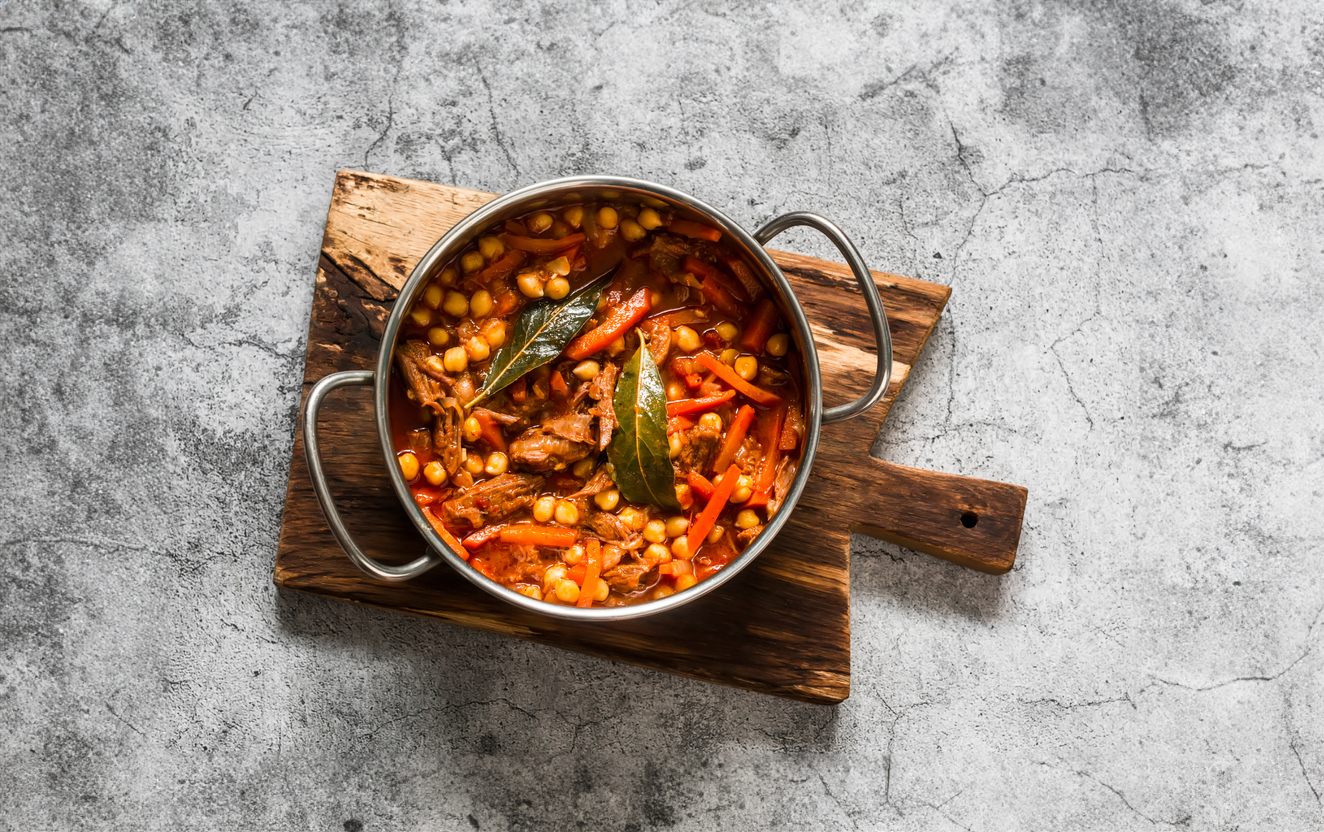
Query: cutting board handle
{"type": "Point", "coordinates": [972, 522]}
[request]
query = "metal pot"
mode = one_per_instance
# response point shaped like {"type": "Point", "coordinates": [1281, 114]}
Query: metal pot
{"type": "Point", "coordinates": [552, 194]}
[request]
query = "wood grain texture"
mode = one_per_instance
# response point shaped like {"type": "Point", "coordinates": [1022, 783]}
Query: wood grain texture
{"type": "Point", "coordinates": [782, 626]}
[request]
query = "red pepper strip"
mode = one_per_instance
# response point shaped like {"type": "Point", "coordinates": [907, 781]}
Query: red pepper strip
{"type": "Point", "coordinates": [760, 327]}
{"type": "Point", "coordinates": [695, 230]}
{"type": "Point", "coordinates": [676, 424]}
{"type": "Point", "coordinates": [619, 321]}
{"type": "Point", "coordinates": [483, 536]}
{"type": "Point", "coordinates": [445, 534]}
{"type": "Point", "coordinates": [735, 437]}
{"type": "Point", "coordinates": [681, 407]}
{"type": "Point", "coordinates": [770, 428]}
{"type": "Point", "coordinates": [720, 297]}
{"type": "Point", "coordinates": [721, 493]}
{"type": "Point", "coordinates": [533, 245]}
{"type": "Point", "coordinates": [700, 485]}
{"type": "Point", "coordinates": [491, 431]}
{"type": "Point", "coordinates": [593, 565]}
{"type": "Point", "coordinates": [500, 267]}
{"type": "Point", "coordinates": [558, 386]}
{"type": "Point", "coordinates": [702, 269]}
{"type": "Point", "coordinates": [528, 534]}
{"type": "Point", "coordinates": [729, 376]}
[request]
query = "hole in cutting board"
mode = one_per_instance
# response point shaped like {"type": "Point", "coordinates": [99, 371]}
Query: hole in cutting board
{"type": "Point", "coordinates": [969, 519]}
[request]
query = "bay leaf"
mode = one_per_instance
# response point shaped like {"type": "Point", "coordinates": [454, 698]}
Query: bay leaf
{"type": "Point", "coordinates": [639, 449]}
{"type": "Point", "coordinates": [539, 335]}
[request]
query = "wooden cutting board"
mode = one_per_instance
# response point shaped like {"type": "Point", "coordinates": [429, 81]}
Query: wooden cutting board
{"type": "Point", "coordinates": [783, 625]}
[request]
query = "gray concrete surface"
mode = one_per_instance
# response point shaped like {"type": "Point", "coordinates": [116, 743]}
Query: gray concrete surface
{"type": "Point", "coordinates": [1125, 197]}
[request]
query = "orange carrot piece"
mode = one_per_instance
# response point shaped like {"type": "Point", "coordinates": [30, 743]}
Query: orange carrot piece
{"type": "Point", "coordinates": [519, 389]}
{"type": "Point", "coordinates": [529, 534]}
{"type": "Point", "coordinates": [500, 267]}
{"type": "Point", "coordinates": [445, 534]}
{"type": "Point", "coordinates": [696, 230]}
{"type": "Point", "coordinates": [729, 376]}
{"type": "Point", "coordinates": [676, 424]}
{"type": "Point", "coordinates": [533, 245]}
{"type": "Point", "coordinates": [558, 386]}
{"type": "Point", "coordinates": [703, 270]}
{"type": "Point", "coordinates": [619, 321]}
{"type": "Point", "coordinates": [491, 434]}
{"type": "Point", "coordinates": [770, 428]}
{"type": "Point", "coordinates": [735, 437]}
{"type": "Point", "coordinates": [760, 327]}
{"type": "Point", "coordinates": [576, 573]}
{"type": "Point", "coordinates": [676, 568]}
{"type": "Point", "coordinates": [592, 567]}
{"type": "Point", "coordinates": [704, 523]}
{"type": "Point", "coordinates": [700, 485]}
{"type": "Point", "coordinates": [682, 407]}
{"type": "Point", "coordinates": [720, 297]}
{"type": "Point", "coordinates": [482, 537]}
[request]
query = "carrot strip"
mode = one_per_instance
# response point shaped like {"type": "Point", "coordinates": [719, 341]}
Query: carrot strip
{"type": "Point", "coordinates": [482, 537]}
{"type": "Point", "coordinates": [528, 534]}
{"type": "Point", "coordinates": [500, 267]}
{"type": "Point", "coordinates": [558, 386]}
{"type": "Point", "coordinates": [682, 407]}
{"type": "Point", "coordinates": [720, 297]}
{"type": "Point", "coordinates": [491, 434]}
{"type": "Point", "coordinates": [677, 317]}
{"type": "Point", "coordinates": [704, 523]}
{"type": "Point", "coordinates": [703, 269]}
{"type": "Point", "coordinates": [700, 484]}
{"type": "Point", "coordinates": [519, 390]}
{"type": "Point", "coordinates": [770, 428]}
{"type": "Point", "coordinates": [735, 437]}
{"type": "Point", "coordinates": [619, 321]}
{"type": "Point", "coordinates": [729, 376]}
{"type": "Point", "coordinates": [533, 245]}
{"type": "Point", "coordinates": [576, 573]}
{"type": "Point", "coordinates": [760, 327]}
{"type": "Point", "coordinates": [592, 566]}
{"type": "Point", "coordinates": [445, 534]}
{"type": "Point", "coordinates": [676, 568]}
{"type": "Point", "coordinates": [695, 230]}
{"type": "Point", "coordinates": [676, 424]}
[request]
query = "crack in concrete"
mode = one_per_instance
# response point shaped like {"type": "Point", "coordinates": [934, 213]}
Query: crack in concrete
{"type": "Point", "coordinates": [496, 126]}
{"type": "Point", "coordinates": [1262, 678]}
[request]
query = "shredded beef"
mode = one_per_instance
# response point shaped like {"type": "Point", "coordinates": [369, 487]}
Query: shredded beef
{"type": "Point", "coordinates": [611, 529]}
{"type": "Point", "coordinates": [625, 577]}
{"type": "Point", "coordinates": [772, 377]}
{"type": "Point", "coordinates": [504, 419]}
{"type": "Point", "coordinates": [446, 434]}
{"type": "Point", "coordinates": [602, 389]}
{"type": "Point", "coordinates": [781, 485]}
{"type": "Point", "coordinates": [599, 483]}
{"type": "Point", "coordinates": [696, 448]}
{"type": "Point", "coordinates": [577, 426]}
{"type": "Point", "coordinates": [659, 339]}
{"type": "Point", "coordinates": [492, 499]}
{"type": "Point", "coordinates": [539, 450]}
{"type": "Point", "coordinates": [746, 535]}
{"type": "Point", "coordinates": [425, 385]}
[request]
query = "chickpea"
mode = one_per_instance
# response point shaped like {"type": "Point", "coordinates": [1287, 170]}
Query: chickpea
{"type": "Point", "coordinates": [462, 479]}
{"type": "Point", "coordinates": [560, 267]}
{"type": "Point", "coordinates": [746, 519]}
{"type": "Point", "coordinates": [632, 231]}
{"type": "Point", "coordinates": [744, 490]}
{"type": "Point", "coordinates": [466, 329]}
{"type": "Point", "coordinates": [497, 463]}
{"type": "Point", "coordinates": [616, 347]}
{"type": "Point", "coordinates": [730, 355]}
{"type": "Point", "coordinates": [480, 303]}
{"type": "Point", "coordinates": [567, 591]}
{"type": "Point", "coordinates": [472, 261]}
{"type": "Point", "coordinates": [779, 344]}
{"type": "Point", "coordinates": [448, 276]}
{"type": "Point", "coordinates": [555, 572]}
{"type": "Point", "coordinates": [676, 526]}
{"type": "Point", "coordinates": [544, 508]}
{"type": "Point", "coordinates": [655, 531]}
{"type": "Point", "coordinates": [463, 389]}
{"type": "Point", "coordinates": [455, 304]}
{"type": "Point", "coordinates": [574, 216]}
{"type": "Point", "coordinates": [473, 463]}
{"type": "Point", "coordinates": [574, 555]}
{"type": "Point", "coordinates": [471, 429]}
{"type": "Point", "coordinates": [607, 217]}
{"type": "Point", "coordinates": [601, 590]}
{"type": "Point", "coordinates": [608, 499]}
{"type": "Point", "coordinates": [684, 582]}
{"type": "Point", "coordinates": [438, 336]}
{"type": "Point", "coordinates": [531, 591]}
{"type": "Point", "coordinates": [680, 547]}
{"type": "Point", "coordinates": [632, 517]}
{"type": "Point", "coordinates": [530, 285]}
{"type": "Point", "coordinates": [582, 468]}
{"type": "Point", "coordinates": [611, 194]}
{"type": "Point", "coordinates": [673, 446]}
{"type": "Point", "coordinates": [687, 340]}
{"type": "Point", "coordinates": [456, 360]}
{"type": "Point", "coordinates": [435, 363]}
{"type": "Point", "coordinates": [432, 295]}
{"type": "Point", "coordinates": [675, 390]}
{"type": "Point", "coordinates": [727, 331]}
{"type": "Point", "coordinates": [409, 465]}
{"type": "Point", "coordinates": [657, 553]}
{"type": "Point", "coordinates": [747, 367]}
{"type": "Point", "coordinates": [477, 348]}
{"type": "Point", "coordinates": [716, 534]}
{"type": "Point", "coordinates": [436, 475]}
{"type": "Point", "coordinates": [566, 514]}
{"type": "Point", "coordinates": [491, 247]}
{"type": "Point", "coordinates": [650, 219]}
{"type": "Point", "coordinates": [559, 230]}
{"type": "Point", "coordinates": [557, 288]}
{"type": "Point", "coordinates": [420, 316]}
{"type": "Point", "coordinates": [656, 297]}
{"type": "Point", "coordinates": [586, 370]}
{"type": "Point", "coordinates": [540, 222]}
{"type": "Point", "coordinates": [663, 591]}
{"type": "Point", "coordinates": [711, 421]}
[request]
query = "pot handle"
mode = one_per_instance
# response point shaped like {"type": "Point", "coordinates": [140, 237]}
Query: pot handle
{"type": "Point", "coordinates": [356, 378]}
{"type": "Point", "coordinates": [883, 376]}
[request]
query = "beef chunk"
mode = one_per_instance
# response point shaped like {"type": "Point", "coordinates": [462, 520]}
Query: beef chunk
{"type": "Point", "coordinates": [577, 426]}
{"type": "Point", "coordinates": [659, 339]}
{"type": "Point", "coordinates": [611, 529]}
{"type": "Point", "coordinates": [625, 577]}
{"type": "Point", "coordinates": [602, 389]}
{"type": "Point", "coordinates": [781, 484]}
{"type": "Point", "coordinates": [446, 433]}
{"type": "Point", "coordinates": [696, 448]}
{"type": "Point", "coordinates": [773, 377]}
{"type": "Point", "coordinates": [493, 499]}
{"type": "Point", "coordinates": [747, 535]}
{"type": "Point", "coordinates": [539, 450]}
{"type": "Point", "coordinates": [598, 483]}
{"type": "Point", "coordinates": [503, 419]}
{"type": "Point", "coordinates": [427, 387]}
